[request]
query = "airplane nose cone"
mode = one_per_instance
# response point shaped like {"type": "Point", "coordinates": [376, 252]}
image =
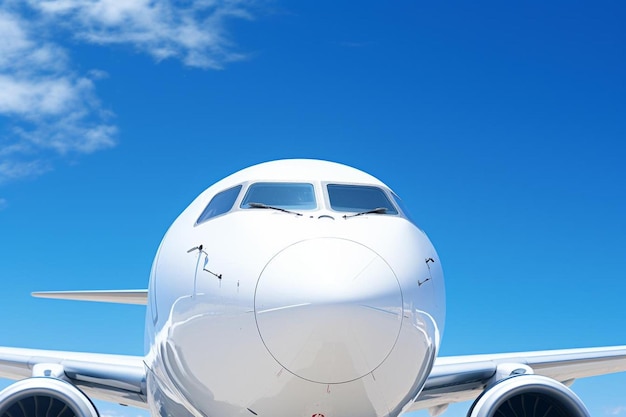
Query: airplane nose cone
{"type": "Point", "coordinates": [328, 310]}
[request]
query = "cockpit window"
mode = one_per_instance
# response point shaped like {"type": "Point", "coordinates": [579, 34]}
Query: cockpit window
{"type": "Point", "coordinates": [358, 198]}
{"type": "Point", "coordinates": [220, 203]}
{"type": "Point", "coordinates": [286, 195]}
{"type": "Point", "coordinates": [403, 207]}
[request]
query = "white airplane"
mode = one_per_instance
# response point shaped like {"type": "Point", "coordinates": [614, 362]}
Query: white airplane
{"type": "Point", "coordinates": [296, 288]}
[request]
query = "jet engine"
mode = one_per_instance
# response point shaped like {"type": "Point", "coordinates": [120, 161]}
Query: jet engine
{"type": "Point", "coordinates": [528, 396]}
{"type": "Point", "coordinates": [45, 397]}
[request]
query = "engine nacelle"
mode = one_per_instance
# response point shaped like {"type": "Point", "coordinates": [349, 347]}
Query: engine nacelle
{"type": "Point", "coordinates": [45, 397]}
{"type": "Point", "coordinates": [528, 396]}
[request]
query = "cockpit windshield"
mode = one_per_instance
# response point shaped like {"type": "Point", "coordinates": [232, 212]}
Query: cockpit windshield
{"type": "Point", "coordinates": [359, 198]}
{"type": "Point", "coordinates": [285, 195]}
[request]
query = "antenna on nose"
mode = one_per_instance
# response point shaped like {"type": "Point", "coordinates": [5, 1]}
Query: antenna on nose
{"type": "Point", "coordinates": [199, 247]}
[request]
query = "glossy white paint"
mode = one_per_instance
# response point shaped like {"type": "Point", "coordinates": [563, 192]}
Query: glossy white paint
{"type": "Point", "coordinates": [313, 314]}
{"type": "Point", "coordinates": [267, 313]}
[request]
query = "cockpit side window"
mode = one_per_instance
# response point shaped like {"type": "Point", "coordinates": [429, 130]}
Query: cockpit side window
{"type": "Point", "coordinates": [221, 203]}
{"type": "Point", "coordinates": [285, 195]}
{"type": "Point", "coordinates": [403, 207]}
{"type": "Point", "coordinates": [358, 198]}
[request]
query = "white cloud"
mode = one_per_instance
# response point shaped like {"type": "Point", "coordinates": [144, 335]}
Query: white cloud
{"type": "Point", "coordinates": [34, 96]}
{"type": "Point", "coordinates": [48, 109]}
{"type": "Point", "coordinates": [615, 411]}
{"type": "Point", "coordinates": [192, 31]}
{"type": "Point", "coordinates": [15, 169]}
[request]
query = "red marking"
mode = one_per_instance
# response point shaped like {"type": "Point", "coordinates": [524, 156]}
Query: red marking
{"type": "Point", "coordinates": [317, 415]}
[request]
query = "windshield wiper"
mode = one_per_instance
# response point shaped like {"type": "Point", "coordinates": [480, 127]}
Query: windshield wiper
{"type": "Point", "coordinates": [377, 210]}
{"type": "Point", "coordinates": [265, 206]}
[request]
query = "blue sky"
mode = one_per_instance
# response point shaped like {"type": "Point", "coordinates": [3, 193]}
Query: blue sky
{"type": "Point", "coordinates": [501, 125]}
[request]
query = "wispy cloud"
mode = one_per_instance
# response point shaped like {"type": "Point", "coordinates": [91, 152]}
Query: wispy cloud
{"type": "Point", "coordinates": [192, 31]}
{"type": "Point", "coordinates": [3, 204]}
{"type": "Point", "coordinates": [48, 108]}
{"type": "Point", "coordinates": [615, 411]}
{"type": "Point", "coordinates": [12, 168]}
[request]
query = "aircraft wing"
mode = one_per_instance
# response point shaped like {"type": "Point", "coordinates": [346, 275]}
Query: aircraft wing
{"type": "Point", "coordinates": [115, 378]}
{"type": "Point", "coordinates": [462, 378]}
{"type": "Point", "coordinates": [139, 297]}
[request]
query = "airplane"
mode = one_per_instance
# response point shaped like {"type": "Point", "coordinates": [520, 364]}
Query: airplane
{"type": "Point", "coordinates": [297, 288]}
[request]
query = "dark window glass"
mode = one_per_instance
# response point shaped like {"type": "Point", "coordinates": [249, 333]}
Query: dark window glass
{"type": "Point", "coordinates": [358, 198]}
{"type": "Point", "coordinates": [221, 203]}
{"type": "Point", "coordinates": [289, 196]}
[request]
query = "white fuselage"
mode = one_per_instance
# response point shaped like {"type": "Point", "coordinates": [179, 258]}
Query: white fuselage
{"type": "Point", "coordinates": [260, 312]}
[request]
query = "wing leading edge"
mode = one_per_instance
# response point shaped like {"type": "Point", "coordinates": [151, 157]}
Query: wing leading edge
{"type": "Point", "coordinates": [462, 378]}
{"type": "Point", "coordinates": [115, 378]}
{"type": "Point", "coordinates": [139, 297]}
